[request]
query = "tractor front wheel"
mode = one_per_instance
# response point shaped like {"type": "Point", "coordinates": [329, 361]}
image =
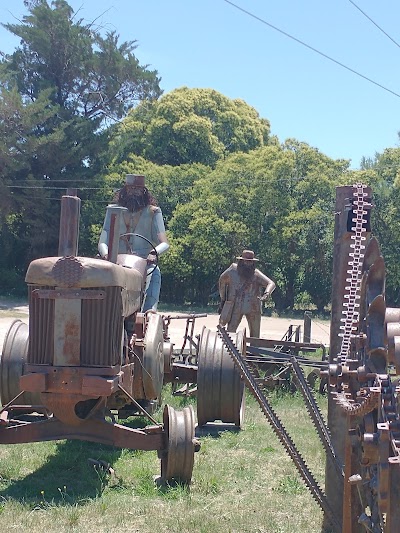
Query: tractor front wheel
{"type": "Point", "coordinates": [178, 459]}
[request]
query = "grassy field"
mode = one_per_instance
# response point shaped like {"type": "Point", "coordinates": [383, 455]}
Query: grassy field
{"type": "Point", "coordinates": [242, 482]}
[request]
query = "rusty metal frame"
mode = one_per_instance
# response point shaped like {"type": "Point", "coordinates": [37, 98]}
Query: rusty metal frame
{"type": "Point", "coordinates": [95, 430]}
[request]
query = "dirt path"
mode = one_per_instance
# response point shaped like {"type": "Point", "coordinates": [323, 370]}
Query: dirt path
{"type": "Point", "coordinates": [271, 327]}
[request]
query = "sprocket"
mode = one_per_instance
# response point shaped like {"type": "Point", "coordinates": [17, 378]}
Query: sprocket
{"type": "Point", "coordinates": [361, 383]}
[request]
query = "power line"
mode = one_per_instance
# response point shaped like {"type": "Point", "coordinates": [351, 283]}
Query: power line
{"type": "Point", "coordinates": [311, 48]}
{"type": "Point", "coordinates": [46, 188]}
{"type": "Point", "coordinates": [373, 22]}
{"type": "Point", "coordinates": [102, 202]}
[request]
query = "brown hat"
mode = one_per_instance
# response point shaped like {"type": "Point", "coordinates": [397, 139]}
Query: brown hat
{"type": "Point", "coordinates": [248, 255]}
{"type": "Point", "coordinates": [135, 180]}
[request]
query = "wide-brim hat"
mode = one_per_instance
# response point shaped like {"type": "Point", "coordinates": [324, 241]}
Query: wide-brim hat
{"type": "Point", "coordinates": [248, 255]}
{"type": "Point", "coordinates": [135, 180]}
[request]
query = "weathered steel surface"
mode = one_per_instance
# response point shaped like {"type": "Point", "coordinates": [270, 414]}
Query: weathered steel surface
{"type": "Point", "coordinates": [70, 380]}
{"type": "Point", "coordinates": [100, 329]}
{"type": "Point", "coordinates": [69, 224]}
{"type": "Point", "coordinates": [290, 346]}
{"type": "Point", "coordinates": [337, 420]}
{"type": "Point", "coordinates": [69, 294]}
{"type": "Point", "coordinates": [178, 459]}
{"type": "Point", "coordinates": [182, 373]}
{"type": "Point", "coordinates": [13, 359]}
{"type": "Point", "coordinates": [220, 391]}
{"type": "Point", "coordinates": [67, 332]}
{"type": "Point", "coordinates": [91, 352]}
{"type": "Point", "coordinates": [365, 395]}
{"type": "Point", "coordinates": [148, 438]}
{"type": "Point", "coordinates": [153, 357]}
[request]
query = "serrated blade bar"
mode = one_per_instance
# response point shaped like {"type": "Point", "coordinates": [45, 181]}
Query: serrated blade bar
{"type": "Point", "coordinates": [279, 428]}
{"type": "Point", "coordinates": [316, 415]}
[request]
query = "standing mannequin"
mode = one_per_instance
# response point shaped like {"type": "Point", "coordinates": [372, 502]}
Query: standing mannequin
{"type": "Point", "coordinates": [240, 291]}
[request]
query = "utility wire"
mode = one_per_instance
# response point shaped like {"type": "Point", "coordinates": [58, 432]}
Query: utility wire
{"type": "Point", "coordinates": [374, 23]}
{"type": "Point", "coordinates": [53, 188]}
{"type": "Point", "coordinates": [311, 48]}
{"type": "Point", "coordinates": [105, 190]}
{"type": "Point", "coordinates": [293, 180]}
{"type": "Point", "coordinates": [102, 202]}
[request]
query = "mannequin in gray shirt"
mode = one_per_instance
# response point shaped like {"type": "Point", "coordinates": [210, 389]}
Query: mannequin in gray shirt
{"type": "Point", "coordinates": [142, 217]}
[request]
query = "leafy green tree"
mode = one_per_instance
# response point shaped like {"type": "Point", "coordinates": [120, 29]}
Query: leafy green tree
{"type": "Point", "coordinates": [90, 75]}
{"type": "Point", "coordinates": [26, 213]}
{"type": "Point", "coordinates": [310, 224]}
{"type": "Point", "coordinates": [278, 201]}
{"type": "Point", "coordinates": [61, 88]}
{"type": "Point", "coordinates": [201, 239]}
{"type": "Point", "coordinates": [384, 178]}
{"type": "Point", "coordinates": [190, 126]}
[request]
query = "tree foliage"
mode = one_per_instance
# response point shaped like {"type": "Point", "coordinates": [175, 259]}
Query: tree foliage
{"type": "Point", "coordinates": [89, 75]}
{"type": "Point", "coordinates": [68, 115]}
{"type": "Point", "coordinates": [190, 126]}
{"type": "Point", "coordinates": [384, 178]}
{"type": "Point", "coordinates": [276, 200]}
{"type": "Point", "coordinates": [59, 90]}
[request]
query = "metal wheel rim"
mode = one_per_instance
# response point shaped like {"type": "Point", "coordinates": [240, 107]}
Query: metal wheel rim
{"type": "Point", "coordinates": [177, 463]}
{"type": "Point", "coordinates": [220, 390]}
{"type": "Point", "coordinates": [153, 358]}
{"type": "Point", "coordinates": [13, 359]}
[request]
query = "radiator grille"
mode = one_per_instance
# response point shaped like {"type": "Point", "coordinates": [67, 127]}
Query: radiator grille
{"type": "Point", "coordinates": [101, 329]}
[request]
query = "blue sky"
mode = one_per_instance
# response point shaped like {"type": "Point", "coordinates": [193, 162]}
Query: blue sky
{"type": "Point", "coordinates": [210, 43]}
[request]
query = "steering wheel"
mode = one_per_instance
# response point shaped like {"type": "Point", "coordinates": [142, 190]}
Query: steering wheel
{"type": "Point", "coordinates": [153, 249]}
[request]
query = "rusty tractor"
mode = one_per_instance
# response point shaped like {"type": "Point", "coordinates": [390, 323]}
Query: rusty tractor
{"type": "Point", "coordinates": [89, 357]}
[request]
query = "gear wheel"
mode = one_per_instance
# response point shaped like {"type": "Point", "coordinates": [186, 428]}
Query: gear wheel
{"type": "Point", "coordinates": [364, 390]}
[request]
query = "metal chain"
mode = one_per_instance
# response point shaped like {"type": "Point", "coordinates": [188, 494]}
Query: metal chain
{"type": "Point", "coordinates": [350, 307]}
{"type": "Point", "coordinates": [351, 304]}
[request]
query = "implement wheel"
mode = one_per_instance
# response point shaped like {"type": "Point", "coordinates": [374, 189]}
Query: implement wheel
{"type": "Point", "coordinates": [220, 391]}
{"type": "Point", "coordinates": [177, 461]}
{"type": "Point", "coordinates": [13, 359]}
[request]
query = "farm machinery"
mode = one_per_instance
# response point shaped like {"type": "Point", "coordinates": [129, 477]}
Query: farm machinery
{"type": "Point", "coordinates": [362, 435]}
{"type": "Point", "coordinates": [89, 357]}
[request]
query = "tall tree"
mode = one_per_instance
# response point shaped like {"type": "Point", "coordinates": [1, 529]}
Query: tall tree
{"type": "Point", "coordinates": [90, 75]}
{"type": "Point", "coordinates": [190, 126]}
{"type": "Point", "coordinates": [384, 179]}
{"type": "Point", "coordinates": [276, 200]}
{"type": "Point", "coordinates": [62, 87]}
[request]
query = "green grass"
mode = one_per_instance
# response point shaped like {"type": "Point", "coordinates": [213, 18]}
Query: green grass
{"type": "Point", "coordinates": [242, 482]}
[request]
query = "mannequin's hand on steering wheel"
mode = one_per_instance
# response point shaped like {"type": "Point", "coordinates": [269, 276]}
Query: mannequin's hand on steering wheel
{"type": "Point", "coordinates": [152, 258]}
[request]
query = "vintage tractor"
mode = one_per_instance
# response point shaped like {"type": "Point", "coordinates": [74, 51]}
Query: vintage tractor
{"type": "Point", "coordinates": [89, 357]}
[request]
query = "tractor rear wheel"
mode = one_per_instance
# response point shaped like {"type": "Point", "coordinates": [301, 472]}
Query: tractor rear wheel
{"type": "Point", "coordinates": [220, 390]}
{"type": "Point", "coordinates": [13, 359]}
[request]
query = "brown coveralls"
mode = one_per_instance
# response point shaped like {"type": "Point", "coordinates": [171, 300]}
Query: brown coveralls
{"type": "Point", "coordinates": [245, 294]}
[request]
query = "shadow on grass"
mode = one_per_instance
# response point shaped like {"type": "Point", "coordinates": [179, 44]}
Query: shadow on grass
{"type": "Point", "coordinates": [215, 429]}
{"type": "Point", "coordinates": [68, 476]}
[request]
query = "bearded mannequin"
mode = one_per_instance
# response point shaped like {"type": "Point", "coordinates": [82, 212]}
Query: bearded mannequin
{"type": "Point", "coordinates": [240, 291]}
{"type": "Point", "coordinates": [134, 198]}
{"type": "Point", "coordinates": [246, 269]}
{"type": "Point", "coordinates": [141, 218]}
